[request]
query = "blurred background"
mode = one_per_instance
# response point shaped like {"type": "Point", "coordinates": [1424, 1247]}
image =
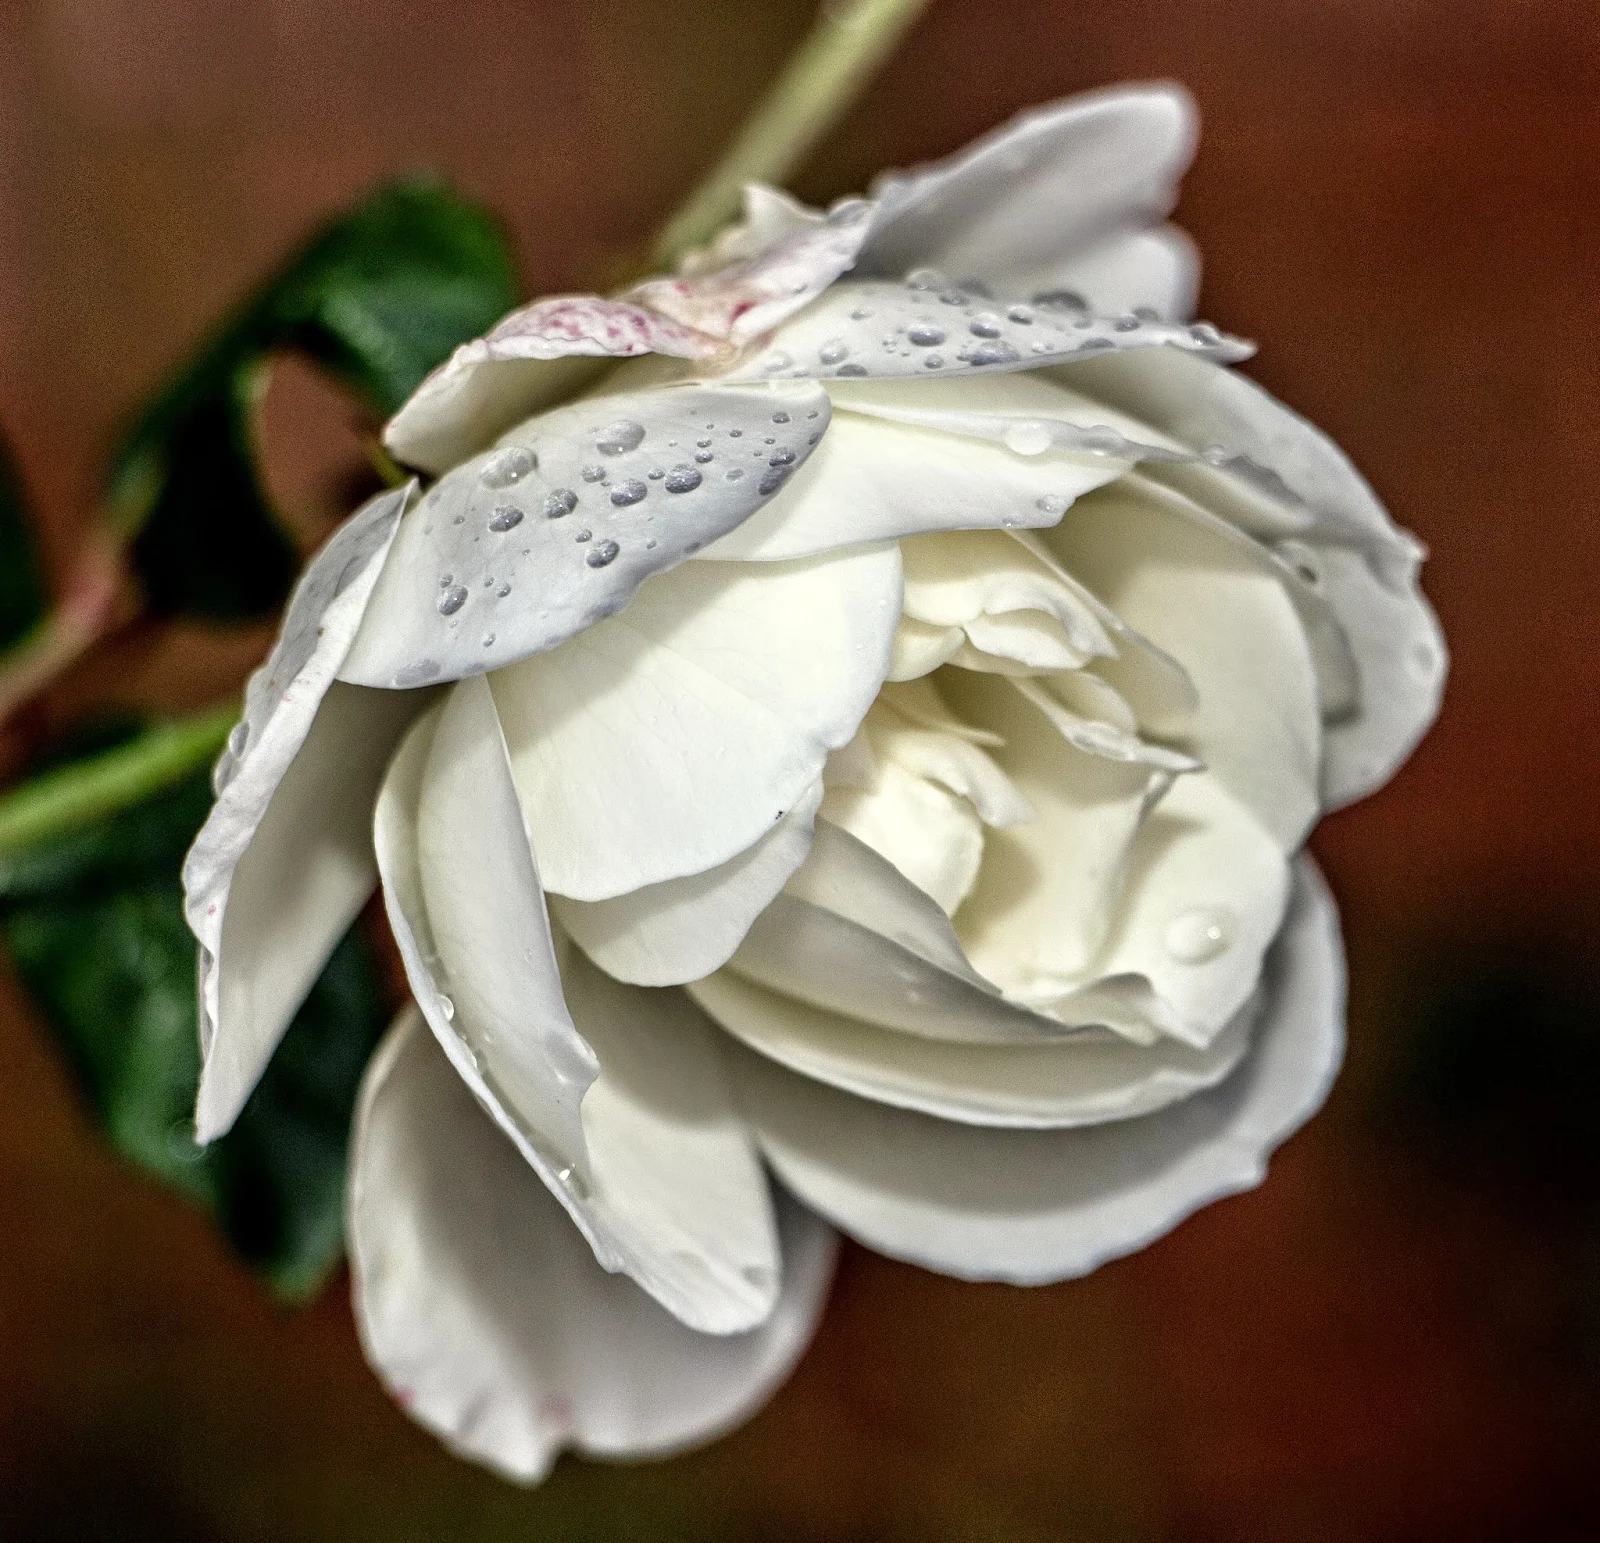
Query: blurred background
{"type": "Point", "coordinates": [1398, 1335]}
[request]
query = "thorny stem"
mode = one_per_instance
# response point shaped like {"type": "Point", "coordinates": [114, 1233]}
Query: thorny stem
{"type": "Point", "coordinates": [850, 40]}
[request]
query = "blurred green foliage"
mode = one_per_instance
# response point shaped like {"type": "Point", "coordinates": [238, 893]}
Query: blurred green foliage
{"type": "Point", "coordinates": [378, 298]}
{"type": "Point", "coordinates": [95, 924]}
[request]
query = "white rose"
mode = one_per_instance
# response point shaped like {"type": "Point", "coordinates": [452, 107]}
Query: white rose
{"type": "Point", "coordinates": [929, 840]}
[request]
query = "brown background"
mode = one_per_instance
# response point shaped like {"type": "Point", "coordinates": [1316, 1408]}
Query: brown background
{"type": "Point", "coordinates": [1398, 1335]}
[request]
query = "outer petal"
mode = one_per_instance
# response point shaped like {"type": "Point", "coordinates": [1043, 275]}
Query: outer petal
{"type": "Point", "coordinates": [676, 931]}
{"type": "Point", "coordinates": [875, 480]}
{"type": "Point", "coordinates": [284, 861]}
{"type": "Point", "coordinates": [515, 551]}
{"type": "Point", "coordinates": [666, 1186]}
{"type": "Point", "coordinates": [1075, 1080]}
{"type": "Point", "coordinates": [1046, 1205]}
{"type": "Point", "coordinates": [751, 296]}
{"type": "Point", "coordinates": [533, 357]}
{"type": "Point", "coordinates": [1157, 270]}
{"type": "Point", "coordinates": [1054, 180]}
{"type": "Point", "coordinates": [874, 329]}
{"type": "Point", "coordinates": [666, 740]}
{"type": "Point", "coordinates": [486, 1315]}
{"type": "Point", "coordinates": [1277, 476]}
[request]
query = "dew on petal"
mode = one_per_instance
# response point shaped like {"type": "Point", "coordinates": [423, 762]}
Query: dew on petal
{"type": "Point", "coordinates": [507, 466]}
{"type": "Point", "coordinates": [620, 437]}
{"type": "Point", "coordinates": [630, 492]}
{"type": "Point", "coordinates": [1029, 437]}
{"type": "Point", "coordinates": [559, 502]}
{"type": "Point", "coordinates": [505, 517]}
{"type": "Point", "coordinates": [1198, 935]}
{"type": "Point", "coordinates": [682, 479]}
{"type": "Point", "coordinates": [925, 335]}
{"type": "Point", "coordinates": [603, 552]}
{"type": "Point", "coordinates": [834, 350]}
{"type": "Point", "coordinates": [452, 598]}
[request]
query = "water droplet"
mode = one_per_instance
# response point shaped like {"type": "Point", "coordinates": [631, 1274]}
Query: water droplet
{"type": "Point", "coordinates": [1022, 315]}
{"type": "Point", "coordinates": [955, 297]}
{"type": "Point", "coordinates": [735, 474]}
{"type": "Point", "coordinates": [447, 1008]}
{"type": "Point", "coordinates": [584, 535]}
{"type": "Point", "coordinates": [735, 433]}
{"type": "Point", "coordinates": [1052, 503]}
{"type": "Point", "coordinates": [851, 369]}
{"type": "Point", "coordinates": [630, 492]}
{"type": "Point", "coordinates": [451, 599]}
{"type": "Point", "coordinates": [488, 640]}
{"type": "Point", "coordinates": [780, 417]}
{"type": "Point", "coordinates": [656, 473]}
{"type": "Point", "coordinates": [238, 737]}
{"type": "Point", "coordinates": [1061, 300]}
{"type": "Point", "coordinates": [933, 361]}
{"type": "Point", "coordinates": [1198, 934]}
{"type": "Point", "coordinates": [1030, 437]}
{"type": "Point", "coordinates": [781, 458]}
{"type": "Point", "coordinates": [594, 473]}
{"type": "Point", "coordinates": [505, 517]}
{"type": "Point", "coordinates": [1204, 332]}
{"type": "Point", "coordinates": [984, 325]}
{"type": "Point", "coordinates": [833, 351]}
{"type": "Point", "coordinates": [704, 457]}
{"type": "Point", "coordinates": [507, 466]}
{"type": "Point", "coordinates": [620, 437]}
{"type": "Point", "coordinates": [560, 502]}
{"type": "Point", "coordinates": [925, 278]}
{"type": "Point", "coordinates": [682, 479]}
{"type": "Point", "coordinates": [573, 1180]}
{"type": "Point", "coordinates": [861, 313]}
{"type": "Point", "coordinates": [1127, 324]}
{"type": "Point", "coordinates": [992, 353]}
{"type": "Point", "coordinates": [925, 335]}
{"type": "Point", "coordinates": [503, 591]}
{"type": "Point", "coordinates": [773, 480]}
{"type": "Point", "coordinates": [604, 552]}
{"type": "Point", "coordinates": [777, 361]}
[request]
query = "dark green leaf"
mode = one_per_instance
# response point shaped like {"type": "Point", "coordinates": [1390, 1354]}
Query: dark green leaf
{"type": "Point", "coordinates": [22, 591]}
{"type": "Point", "coordinates": [377, 298]}
{"type": "Point", "coordinates": [95, 924]}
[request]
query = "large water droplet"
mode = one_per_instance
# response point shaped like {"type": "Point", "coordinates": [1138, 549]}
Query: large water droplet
{"type": "Point", "coordinates": [1198, 934]}
{"type": "Point", "coordinates": [603, 552]}
{"type": "Point", "coordinates": [984, 325]}
{"type": "Point", "coordinates": [780, 417]}
{"type": "Point", "coordinates": [505, 517]}
{"type": "Point", "coordinates": [781, 457]}
{"type": "Point", "coordinates": [594, 472]}
{"type": "Point", "coordinates": [562, 501]}
{"type": "Point", "coordinates": [623, 435]}
{"type": "Point", "coordinates": [238, 737]}
{"type": "Point", "coordinates": [933, 361]}
{"type": "Point", "coordinates": [999, 352]}
{"type": "Point", "coordinates": [1022, 315]}
{"type": "Point", "coordinates": [833, 351]}
{"type": "Point", "coordinates": [447, 1007]}
{"type": "Point", "coordinates": [507, 466]}
{"type": "Point", "coordinates": [704, 457]}
{"type": "Point", "coordinates": [772, 480]}
{"type": "Point", "coordinates": [682, 479]}
{"type": "Point", "coordinates": [851, 369]}
{"type": "Point", "coordinates": [451, 599]}
{"type": "Point", "coordinates": [925, 335]}
{"type": "Point", "coordinates": [1061, 300]}
{"type": "Point", "coordinates": [1029, 437]}
{"type": "Point", "coordinates": [630, 492]}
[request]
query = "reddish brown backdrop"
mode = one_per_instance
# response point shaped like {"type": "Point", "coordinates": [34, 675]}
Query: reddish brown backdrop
{"type": "Point", "coordinates": [1398, 1335]}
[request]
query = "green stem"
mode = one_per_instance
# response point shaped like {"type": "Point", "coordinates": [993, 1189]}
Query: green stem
{"type": "Point", "coordinates": [64, 800]}
{"type": "Point", "coordinates": [850, 40]}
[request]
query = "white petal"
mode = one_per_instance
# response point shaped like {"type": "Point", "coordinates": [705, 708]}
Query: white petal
{"type": "Point", "coordinates": [1210, 605]}
{"type": "Point", "coordinates": [874, 480]}
{"type": "Point", "coordinates": [516, 550]}
{"type": "Point", "coordinates": [530, 359]}
{"type": "Point", "coordinates": [1054, 180]}
{"type": "Point", "coordinates": [668, 1190]}
{"type": "Point", "coordinates": [1132, 270]}
{"type": "Point", "coordinates": [1033, 1206]}
{"type": "Point", "coordinates": [770, 216]}
{"type": "Point", "coordinates": [756, 293]}
{"type": "Point", "coordinates": [284, 860]}
{"type": "Point", "coordinates": [666, 740]}
{"type": "Point", "coordinates": [867, 329]}
{"type": "Point", "coordinates": [678, 930]}
{"type": "Point", "coordinates": [1048, 888]}
{"type": "Point", "coordinates": [1076, 1080]}
{"type": "Point", "coordinates": [853, 935]}
{"type": "Point", "coordinates": [485, 1313]}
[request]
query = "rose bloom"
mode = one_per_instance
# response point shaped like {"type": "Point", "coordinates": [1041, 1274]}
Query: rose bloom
{"type": "Point", "coordinates": [844, 768]}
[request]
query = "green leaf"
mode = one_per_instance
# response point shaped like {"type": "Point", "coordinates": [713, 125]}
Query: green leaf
{"type": "Point", "coordinates": [95, 924]}
{"type": "Point", "coordinates": [23, 596]}
{"type": "Point", "coordinates": [377, 298]}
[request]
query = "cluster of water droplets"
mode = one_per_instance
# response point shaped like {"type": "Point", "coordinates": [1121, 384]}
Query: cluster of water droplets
{"type": "Point", "coordinates": [929, 322]}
